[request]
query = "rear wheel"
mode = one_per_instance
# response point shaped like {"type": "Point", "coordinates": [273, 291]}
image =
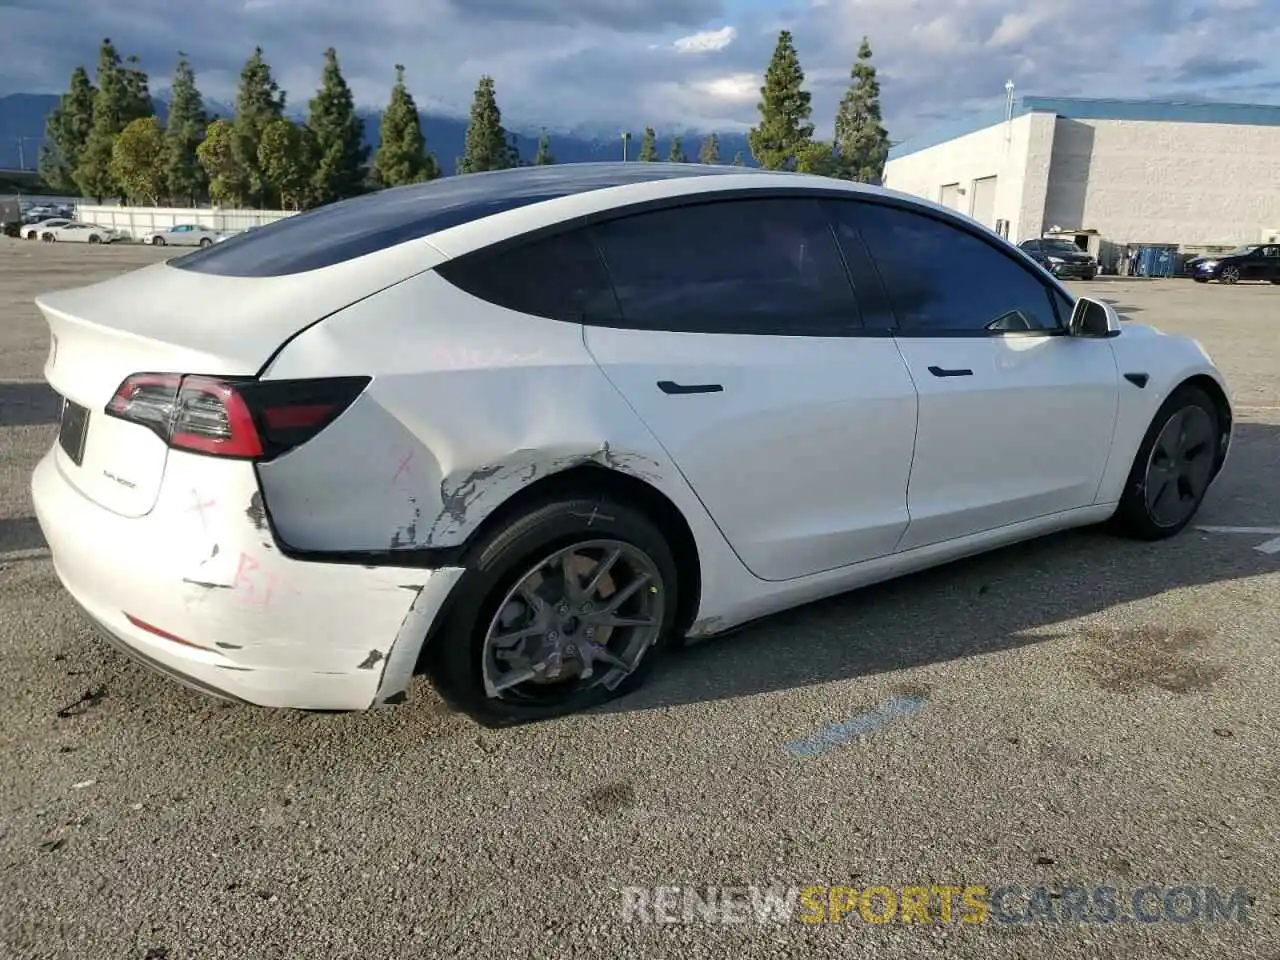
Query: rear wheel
{"type": "Point", "coordinates": [206, 242]}
{"type": "Point", "coordinates": [1173, 467]}
{"type": "Point", "coordinates": [48, 238]}
{"type": "Point", "coordinates": [564, 609]}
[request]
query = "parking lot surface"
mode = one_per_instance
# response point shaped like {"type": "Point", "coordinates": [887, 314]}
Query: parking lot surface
{"type": "Point", "coordinates": [1079, 711]}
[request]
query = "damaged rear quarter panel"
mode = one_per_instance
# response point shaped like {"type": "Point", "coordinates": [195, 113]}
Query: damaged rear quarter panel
{"type": "Point", "coordinates": [469, 404]}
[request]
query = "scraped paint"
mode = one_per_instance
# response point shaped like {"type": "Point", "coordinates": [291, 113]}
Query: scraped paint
{"type": "Point", "coordinates": [835, 734]}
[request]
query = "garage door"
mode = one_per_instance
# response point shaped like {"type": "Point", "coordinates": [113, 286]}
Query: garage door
{"type": "Point", "coordinates": [984, 201]}
{"type": "Point", "coordinates": [950, 196]}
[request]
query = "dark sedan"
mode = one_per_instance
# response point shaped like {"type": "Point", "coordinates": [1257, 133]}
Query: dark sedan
{"type": "Point", "coordinates": [1253, 262]}
{"type": "Point", "coordinates": [1062, 258]}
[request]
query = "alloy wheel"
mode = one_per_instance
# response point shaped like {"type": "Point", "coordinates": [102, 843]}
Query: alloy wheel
{"type": "Point", "coordinates": [1231, 275]}
{"type": "Point", "coordinates": [1180, 466]}
{"type": "Point", "coordinates": [583, 617]}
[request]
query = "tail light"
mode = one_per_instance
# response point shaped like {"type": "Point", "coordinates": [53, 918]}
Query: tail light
{"type": "Point", "coordinates": [244, 419]}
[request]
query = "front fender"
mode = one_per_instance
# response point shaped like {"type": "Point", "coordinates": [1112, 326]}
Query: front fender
{"type": "Point", "coordinates": [1168, 362]}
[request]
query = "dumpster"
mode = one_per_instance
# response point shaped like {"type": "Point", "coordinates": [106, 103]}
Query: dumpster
{"type": "Point", "coordinates": [1158, 260]}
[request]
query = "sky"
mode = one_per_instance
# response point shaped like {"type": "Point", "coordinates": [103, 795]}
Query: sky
{"type": "Point", "coordinates": [672, 64]}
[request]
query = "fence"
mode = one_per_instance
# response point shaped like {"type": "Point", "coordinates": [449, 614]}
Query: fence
{"type": "Point", "coordinates": [136, 221]}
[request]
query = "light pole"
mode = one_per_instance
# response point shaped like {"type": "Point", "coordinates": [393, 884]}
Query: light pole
{"type": "Point", "coordinates": [626, 139]}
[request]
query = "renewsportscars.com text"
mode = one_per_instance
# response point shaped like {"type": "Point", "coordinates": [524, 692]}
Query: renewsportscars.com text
{"type": "Point", "coordinates": [936, 903]}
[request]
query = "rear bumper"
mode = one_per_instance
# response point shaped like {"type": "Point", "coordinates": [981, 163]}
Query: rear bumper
{"type": "Point", "coordinates": [200, 593]}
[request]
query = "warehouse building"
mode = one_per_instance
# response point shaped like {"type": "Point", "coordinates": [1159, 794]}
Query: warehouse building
{"type": "Point", "coordinates": [1112, 174]}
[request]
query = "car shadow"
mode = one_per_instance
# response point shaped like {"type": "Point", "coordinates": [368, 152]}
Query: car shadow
{"type": "Point", "coordinates": [20, 533]}
{"type": "Point", "coordinates": [27, 403]}
{"type": "Point", "coordinates": [1007, 599]}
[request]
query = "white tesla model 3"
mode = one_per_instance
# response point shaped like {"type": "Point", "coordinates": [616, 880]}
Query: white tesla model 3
{"type": "Point", "coordinates": [523, 429]}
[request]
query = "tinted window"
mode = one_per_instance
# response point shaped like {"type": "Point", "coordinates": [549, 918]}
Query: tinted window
{"type": "Point", "coordinates": [561, 278]}
{"type": "Point", "coordinates": [742, 266]}
{"type": "Point", "coordinates": [941, 277]}
{"type": "Point", "coordinates": [363, 225]}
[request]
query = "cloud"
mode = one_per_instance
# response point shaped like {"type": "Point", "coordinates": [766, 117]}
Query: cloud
{"type": "Point", "coordinates": [666, 63]}
{"type": "Point", "coordinates": [707, 41]}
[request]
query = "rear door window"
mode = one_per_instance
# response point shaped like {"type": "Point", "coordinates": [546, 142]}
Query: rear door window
{"type": "Point", "coordinates": [769, 267]}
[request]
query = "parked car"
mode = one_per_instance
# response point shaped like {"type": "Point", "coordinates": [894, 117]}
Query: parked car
{"type": "Point", "coordinates": [1255, 261]}
{"type": "Point", "coordinates": [1061, 257]}
{"type": "Point", "coordinates": [75, 232]}
{"type": "Point", "coordinates": [33, 231]}
{"type": "Point", "coordinates": [184, 235]}
{"type": "Point", "coordinates": [526, 429]}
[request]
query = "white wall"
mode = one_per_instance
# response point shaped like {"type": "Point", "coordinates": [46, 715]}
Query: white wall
{"type": "Point", "coordinates": [1016, 152]}
{"type": "Point", "coordinates": [135, 221]}
{"type": "Point", "coordinates": [1195, 184]}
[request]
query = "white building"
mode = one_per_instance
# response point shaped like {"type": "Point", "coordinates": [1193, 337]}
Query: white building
{"type": "Point", "coordinates": [1125, 171]}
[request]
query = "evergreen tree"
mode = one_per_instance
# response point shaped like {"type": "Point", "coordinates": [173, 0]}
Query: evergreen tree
{"type": "Point", "coordinates": [138, 161]}
{"type": "Point", "coordinates": [137, 91]}
{"type": "Point", "coordinates": [818, 157]}
{"type": "Point", "coordinates": [486, 144]}
{"type": "Point", "coordinates": [861, 139]}
{"type": "Point", "coordinates": [259, 101]}
{"type": "Point", "coordinates": [402, 156]}
{"type": "Point", "coordinates": [217, 153]}
{"type": "Point", "coordinates": [287, 154]}
{"type": "Point", "coordinates": [709, 152]}
{"type": "Point", "coordinates": [341, 152]}
{"type": "Point", "coordinates": [785, 107]}
{"type": "Point", "coordinates": [184, 129]}
{"type": "Point", "coordinates": [738, 160]}
{"type": "Point", "coordinates": [66, 133]}
{"type": "Point", "coordinates": [676, 153]}
{"type": "Point", "coordinates": [115, 105]}
{"type": "Point", "coordinates": [648, 146]}
{"type": "Point", "coordinates": [543, 156]}
{"type": "Point", "coordinates": [513, 151]}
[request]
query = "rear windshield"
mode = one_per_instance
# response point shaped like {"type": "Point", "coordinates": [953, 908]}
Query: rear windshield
{"type": "Point", "coordinates": [353, 228]}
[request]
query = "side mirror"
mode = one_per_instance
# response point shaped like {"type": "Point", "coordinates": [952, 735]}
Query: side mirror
{"type": "Point", "coordinates": [1093, 318]}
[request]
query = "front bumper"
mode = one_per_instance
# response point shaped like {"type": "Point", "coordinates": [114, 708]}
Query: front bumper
{"type": "Point", "coordinates": [201, 593]}
{"type": "Point", "coordinates": [1074, 271]}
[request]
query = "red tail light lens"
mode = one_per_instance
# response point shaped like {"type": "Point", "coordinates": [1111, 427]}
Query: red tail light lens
{"type": "Point", "coordinates": [244, 419]}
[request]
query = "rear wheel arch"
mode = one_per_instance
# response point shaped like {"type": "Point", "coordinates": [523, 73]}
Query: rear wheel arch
{"type": "Point", "coordinates": [598, 481]}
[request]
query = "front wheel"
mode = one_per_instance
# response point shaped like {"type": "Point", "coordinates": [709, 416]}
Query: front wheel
{"type": "Point", "coordinates": [565, 608]}
{"type": "Point", "coordinates": [95, 239]}
{"type": "Point", "coordinates": [206, 242]}
{"type": "Point", "coordinates": [157, 241]}
{"type": "Point", "coordinates": [1230, 275]}
{"type": "Point", "coordinates": [1173, 468]}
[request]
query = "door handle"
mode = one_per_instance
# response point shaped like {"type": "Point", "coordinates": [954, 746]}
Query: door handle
{"type": "Point", "coordinates": [940, 372]}
{"type": "Point", "coordinates": [671, 387]}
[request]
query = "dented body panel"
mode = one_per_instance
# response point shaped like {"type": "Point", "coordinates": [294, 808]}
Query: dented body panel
{"type": "Point", "coordinates": [202, 567]}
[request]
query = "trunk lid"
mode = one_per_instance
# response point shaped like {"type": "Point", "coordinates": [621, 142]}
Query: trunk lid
{"type": "Point", "coordinates": [161, 319]}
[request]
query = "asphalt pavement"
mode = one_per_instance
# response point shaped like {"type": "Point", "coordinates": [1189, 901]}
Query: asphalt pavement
{"type": "Point", "coordinates": [1080, 711]}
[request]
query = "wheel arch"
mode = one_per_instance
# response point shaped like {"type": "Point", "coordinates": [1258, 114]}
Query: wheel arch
{"type": "Point", "coordinates": [595, 480]}
{"type": "Point", "coordinates": [1222, 404]}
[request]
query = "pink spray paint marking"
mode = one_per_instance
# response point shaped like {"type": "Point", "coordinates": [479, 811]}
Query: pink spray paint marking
{"type": "Point", "coordinates": [404, 466]}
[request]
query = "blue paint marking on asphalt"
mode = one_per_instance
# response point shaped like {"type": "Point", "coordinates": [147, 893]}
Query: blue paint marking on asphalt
{"type": "Point", "coordinates": [835, 734]}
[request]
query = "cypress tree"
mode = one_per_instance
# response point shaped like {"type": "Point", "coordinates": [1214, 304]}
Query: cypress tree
{"type": "Point", "coordinates": [676, 153]}
{"type": "Point", "coordinates": [648, 146]}
{"type": "Point", "coordinates": [121, 98]}
{"type": "Point", "coordinates": [402, 156]}
{"type": "Point", "coordinates": [861, 139]}
{"type": "Point", "coordinates": [543, 156]}
{"type": "Point", "coordinates": [784, 129]}
{"type": "Point", "coordinates": [183, 132]}
{"type": "Point", "coordinates": [486, 143]}
{"type": "Point", "coordinates": [67, 131]}
{"type": "Point", "coordinates": [709, 152]}
{"type": "Point", "coordinates": [259, 101]}
{"type": "Point", "coordinates": [338, 135]}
